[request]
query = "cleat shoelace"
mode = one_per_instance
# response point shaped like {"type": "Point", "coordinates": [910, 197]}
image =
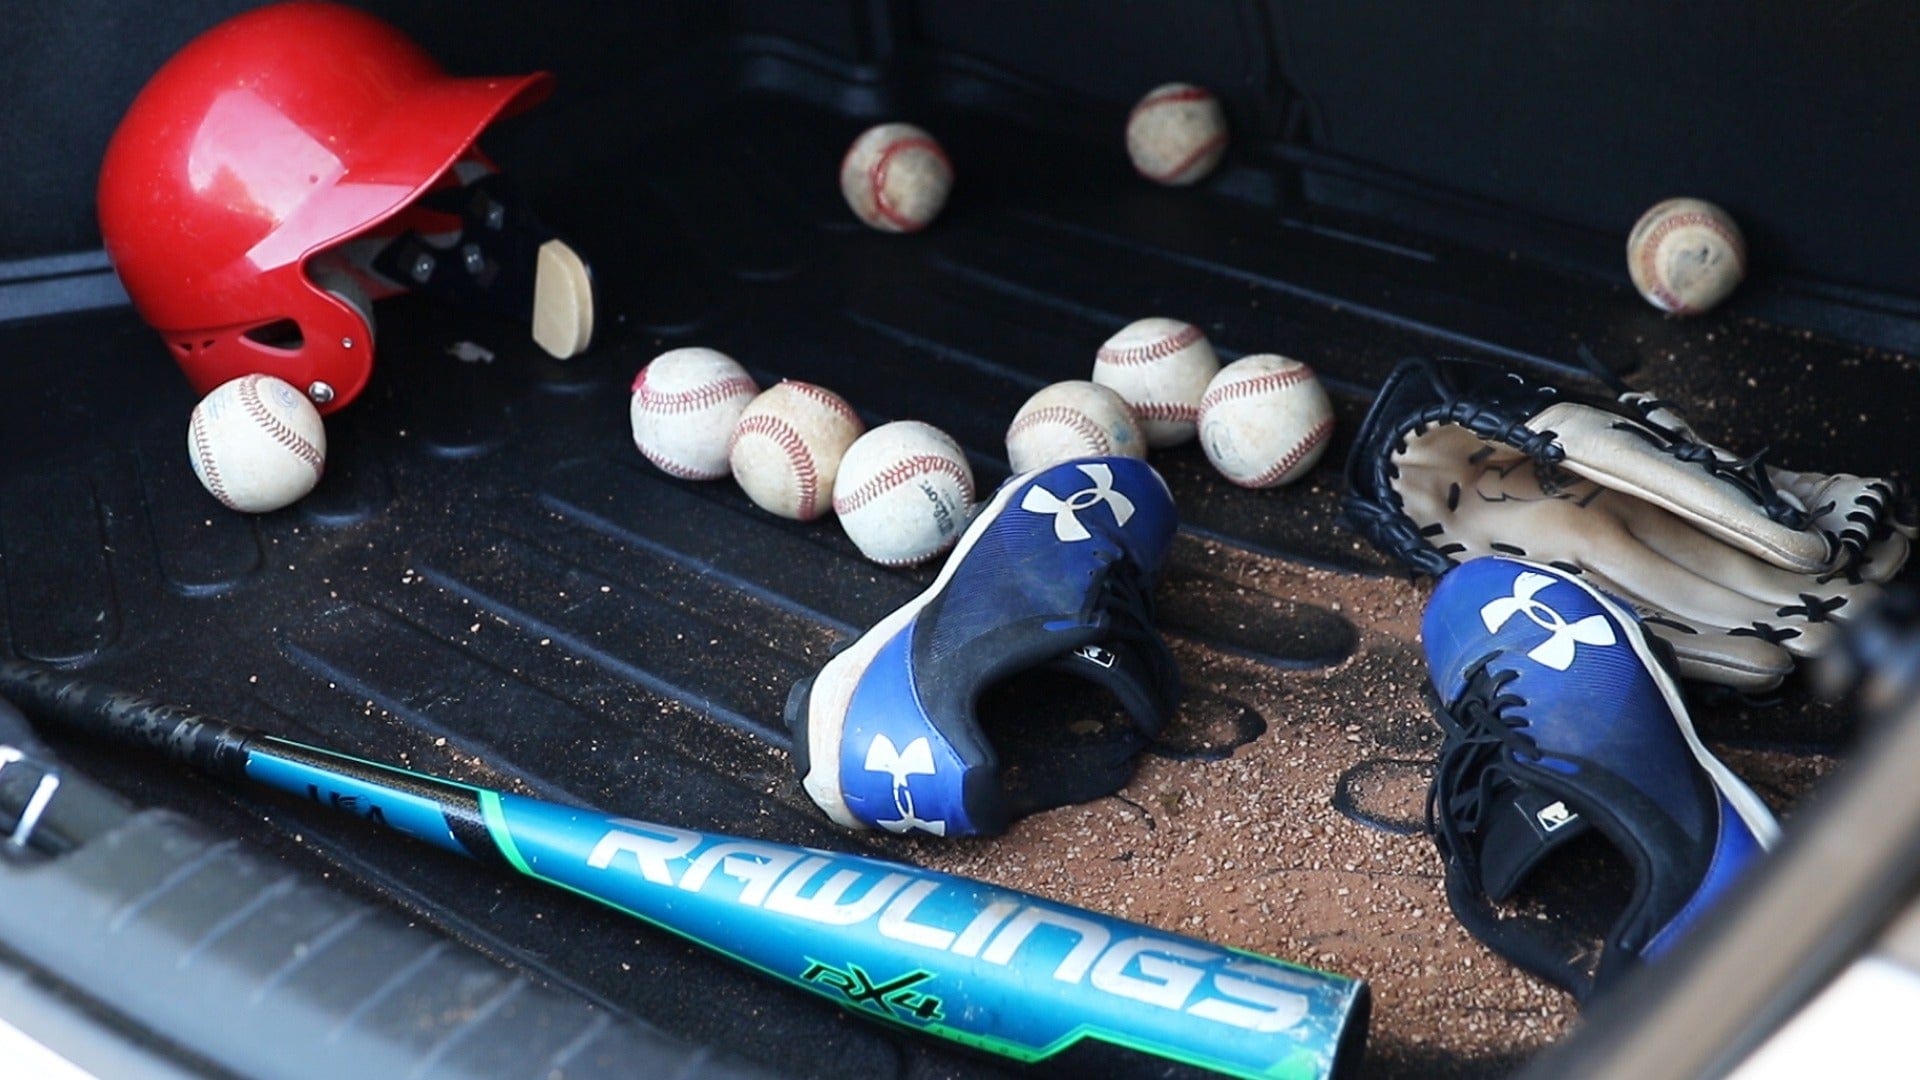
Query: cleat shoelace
{"type": "Point", "coordinates": [1127, 597]}
{"type": "Point", "coordinates": [1478, 726]}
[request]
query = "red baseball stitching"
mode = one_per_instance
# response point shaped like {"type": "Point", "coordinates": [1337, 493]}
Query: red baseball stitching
{"type": "Point", "coordinates": [1300, 450]}
{"type": "Point", "coordinates": [207, 467]}
{"type": "Point", "coordinates": [1185, 93]}
{"type": "Point", "coordinates": [877, 178]}
{"type": "Point", "coordinates": [799, 458]}
{"type": "Point", "coordinates": [674, 468]}
{"type": "Point", "coordinates": [1078, 421]}
{"type": "Point", "coordinates": [899, 473]}
{"type": "Point", "coordinates": [837, 404]}
{"type": "Point", "coordinates": [1650, 248]}
{"type": "Point", "coordinates": [1165, 410]}
{"type": "Point", "coordinates": [1151, 351]}
{"type": "Point", "coordinates": [700, 397]}
{"type": "Point", "coordinates": [1181, 167]}
{"type": "Point", "coordinates": [249, 394]}
{"type": "Point", "coordinates": [1272, 380]}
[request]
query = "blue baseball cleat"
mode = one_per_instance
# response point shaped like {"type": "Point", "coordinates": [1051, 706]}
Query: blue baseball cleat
{"type": "Point", "coordinates": [1562, 717]}
{"type": "Point", "coordinates": [1054, 576]}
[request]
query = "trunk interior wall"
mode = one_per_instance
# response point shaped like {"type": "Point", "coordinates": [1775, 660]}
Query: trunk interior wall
{"type": "Point", "coordinates": [1794, 117]}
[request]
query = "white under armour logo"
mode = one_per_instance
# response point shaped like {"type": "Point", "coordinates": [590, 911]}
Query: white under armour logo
{"type": "Point", "coordinates": [915, 760]}
{"type": "Point", "coordinates": [1557, 651]}
{"type": "Point", "coordinates": [1066, 512]}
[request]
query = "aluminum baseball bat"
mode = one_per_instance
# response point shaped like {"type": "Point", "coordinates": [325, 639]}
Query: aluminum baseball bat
{"type": "Point", "coordinates": [992, 968]}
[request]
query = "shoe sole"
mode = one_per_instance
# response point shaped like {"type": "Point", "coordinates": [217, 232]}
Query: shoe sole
{"type": "Point", "coordinates": [1752, 810]}
{"type": "Point", "coordinates": [825, 716]}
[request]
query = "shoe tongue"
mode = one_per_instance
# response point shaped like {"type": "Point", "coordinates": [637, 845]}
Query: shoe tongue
{"type": "Point", "coordinates": [1058, 741]}
{"type": "Point", "coordinates": [1520, 826]}
{"type": "Point", "coordinates": [1126, 670]}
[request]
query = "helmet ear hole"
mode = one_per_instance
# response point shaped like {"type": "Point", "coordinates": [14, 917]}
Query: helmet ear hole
{"type": "Point", "coordinates": [342, 286]}
{"type": "Point", "coordinates": [282, 334]}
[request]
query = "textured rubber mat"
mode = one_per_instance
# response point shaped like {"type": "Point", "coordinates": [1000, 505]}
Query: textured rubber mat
{"type": "Point", "coordinates": [491, 584]}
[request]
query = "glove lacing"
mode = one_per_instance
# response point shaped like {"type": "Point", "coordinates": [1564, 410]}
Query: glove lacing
{"type": "Point", "coordinates": [1749, 474]}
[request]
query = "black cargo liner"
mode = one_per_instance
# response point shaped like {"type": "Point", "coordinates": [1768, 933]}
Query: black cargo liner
{"type": "Point", "coordinates": [491, 584]}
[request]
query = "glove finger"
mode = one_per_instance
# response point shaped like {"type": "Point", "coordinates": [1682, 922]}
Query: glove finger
{"type": "Point", "coordinates": [1723, 636]}
{"type": "Point", "coordinates": [1781, 600]}
{"type": "Point", "coordinates": [1808, 639]}
{"type": "Point", "coordinates": [1627, 458]}
{"type": "Point", "coordinates": [1785, 631]}
{"type": "Point", "coordinates": [1747, 664]}
{"type": "Point", "coordinates": [1668, 566]}
{"type": "Point", "coordinates": [1885, 557]}
{"type": "Point", "coordinates": [1597, 535]}
{"type": "Point", "coordinates": [1666, 592]}
{"type": "Point", "coordinates": [1853, 510]}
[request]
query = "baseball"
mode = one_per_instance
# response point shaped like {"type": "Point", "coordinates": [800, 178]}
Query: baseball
{"type": "Point", "coordinates": [685, 404]}
{"type": "Point", "coordinates": [1176, 134]}
{"type": "Point", "coordinates": [1686, 255]}
{"type": "Point", "coordinates": [1160, 367]}
{"type": "Point", "coordinates": [1265, 420]}
{"type": "Point", "coordinates": [903, 492]}
{"type": "Point", "coordinates": [257, 444]}
{"type": "Point", "coordinates": [787, 445]}
{"type": "Point", "coordinates": [1072, 420]}
{"type": "Point", "coordinates": [896, 178]}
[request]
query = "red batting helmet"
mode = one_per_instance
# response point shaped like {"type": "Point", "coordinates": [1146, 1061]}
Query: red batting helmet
{"type": "Point", "coordinates": [271, 137]}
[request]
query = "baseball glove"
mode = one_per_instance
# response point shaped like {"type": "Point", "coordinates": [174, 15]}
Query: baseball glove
{"type": "Point", "coordinates": [1743, 567]}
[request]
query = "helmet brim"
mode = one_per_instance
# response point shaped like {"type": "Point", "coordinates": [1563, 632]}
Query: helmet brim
{"type": "Point", "coordinates": [394, 160]}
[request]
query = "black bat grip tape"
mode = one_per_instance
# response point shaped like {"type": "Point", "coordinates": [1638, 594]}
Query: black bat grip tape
{"type": "Point", "coordinates": [89, 708]}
